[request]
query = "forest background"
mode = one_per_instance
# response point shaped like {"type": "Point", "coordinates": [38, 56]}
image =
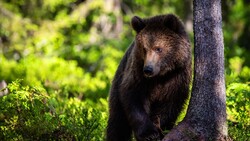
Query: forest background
{"type": "Point", "coordinates": [58, 58]}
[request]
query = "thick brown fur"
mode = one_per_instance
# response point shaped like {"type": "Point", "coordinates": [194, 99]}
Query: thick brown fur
{"type": "Point", "coordinates": [152, 81]}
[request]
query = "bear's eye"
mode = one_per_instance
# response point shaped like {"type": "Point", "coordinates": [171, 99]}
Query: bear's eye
{"type": "Point", "coordinates": [158, 50]}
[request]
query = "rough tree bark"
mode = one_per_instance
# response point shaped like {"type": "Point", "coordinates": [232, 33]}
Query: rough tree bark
{"type": "Point", "coordinates": [206, 114]}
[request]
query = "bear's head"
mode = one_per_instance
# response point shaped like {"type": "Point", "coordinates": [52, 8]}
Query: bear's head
{"type": "Point", "coordinates": [161, 43]}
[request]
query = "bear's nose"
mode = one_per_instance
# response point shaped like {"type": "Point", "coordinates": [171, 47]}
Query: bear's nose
{"type": "Point", "coordinates": [148, 70]}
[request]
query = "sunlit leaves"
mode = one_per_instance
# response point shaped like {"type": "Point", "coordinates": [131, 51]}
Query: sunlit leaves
{"type": "Point", "coordinates": [26, 110]}
{"type": "Point", "coordinates": [238, 103]}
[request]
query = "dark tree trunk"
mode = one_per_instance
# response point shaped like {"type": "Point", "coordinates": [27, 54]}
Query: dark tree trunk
{"type": "Point", "coordinates": [206, 114]}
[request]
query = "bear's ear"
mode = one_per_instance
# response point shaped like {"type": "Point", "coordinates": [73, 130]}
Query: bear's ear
{"type": "Point", "coordinates": [137, 23]}
{"type": "Point", "coordinates": [173, 23]}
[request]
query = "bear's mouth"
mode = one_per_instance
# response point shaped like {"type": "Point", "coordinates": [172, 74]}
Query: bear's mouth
{"type": "Point", "coordinates": [148, 76]}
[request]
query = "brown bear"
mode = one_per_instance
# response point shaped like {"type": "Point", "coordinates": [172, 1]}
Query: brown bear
{"type": "Point", "coordinates": [152, 81]}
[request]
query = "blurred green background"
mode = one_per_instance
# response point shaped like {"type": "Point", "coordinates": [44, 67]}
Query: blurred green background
{"type": "Point", "coordinates": [58, 58]}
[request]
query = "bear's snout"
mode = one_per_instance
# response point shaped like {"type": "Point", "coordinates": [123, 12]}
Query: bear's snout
{"type": "Point", "coordinates": [148, 71]}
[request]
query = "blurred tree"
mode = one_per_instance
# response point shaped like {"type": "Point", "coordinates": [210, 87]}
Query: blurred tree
{"type": "Point", "coordinates": [112, 29]}
{"type": "Point", "coordinates": [206, 114]}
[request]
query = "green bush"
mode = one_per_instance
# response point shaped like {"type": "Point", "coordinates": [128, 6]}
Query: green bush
{"type": "Point", "coordinates": [238, 99]}
{"type": "Point", "coordinates": [29, 113]}
{"type": "Point", "coordinates": [25, 113]}
{"type": "Point", "coordinates": [63, 76]}
{"type": "Point", "coordinates": [237, 132]}
{"type": "Point", "coordinates": [51, 73]}
{"type": "Point", "coordinates": [238, 103]}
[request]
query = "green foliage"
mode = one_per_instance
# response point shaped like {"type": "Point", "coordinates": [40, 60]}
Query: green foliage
{"type": "Point", "coordinates": [237, 72]}
{"type": "Point", "coordinates": [29, 113]}
{"type": "Point", "coordinates": [45, 72]}
{"type": "Point", "coordinates": [238, 103]}
{"type": "Point", "coordinates": [238, 99]}
{"type": "Point", "coordinates": [24, 112]}
{"type": "Point", "coordinates": [66, 77]}
{"type": "Point", "coordinates": [84, 122]}
{"type": "Point", "coordinates": [237, 133]}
